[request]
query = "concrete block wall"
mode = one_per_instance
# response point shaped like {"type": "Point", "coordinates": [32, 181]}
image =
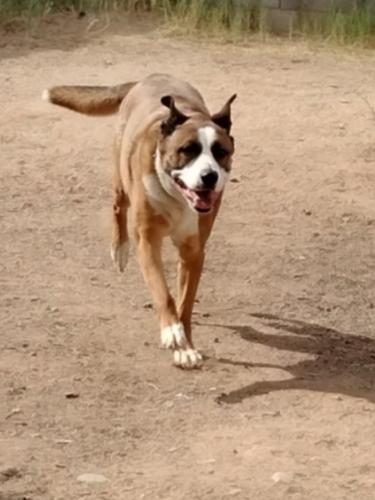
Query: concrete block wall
{"type": "Point", "coordinates": [283, 15]}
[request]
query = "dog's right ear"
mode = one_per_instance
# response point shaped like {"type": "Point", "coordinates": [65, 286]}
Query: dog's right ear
{"type": "Point", "coordinates": [175, 117]}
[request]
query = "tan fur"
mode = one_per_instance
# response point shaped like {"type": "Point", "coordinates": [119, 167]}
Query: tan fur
{"type": "Point", "coordinates": [95, 101]}
{"type": "Point", "coordinates": [155, 214]}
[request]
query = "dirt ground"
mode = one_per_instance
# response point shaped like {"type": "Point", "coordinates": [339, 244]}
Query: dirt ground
{"type": "Point", "coordinates": [284, 407]}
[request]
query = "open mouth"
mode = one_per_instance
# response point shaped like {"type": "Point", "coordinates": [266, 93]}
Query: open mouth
{"type": "Point", "coordinates": [202, 199]}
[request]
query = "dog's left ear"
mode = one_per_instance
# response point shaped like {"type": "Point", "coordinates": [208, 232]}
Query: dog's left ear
{"type": "Point", "coordinates": [222, 118]}
{"type": "Point", "coordinates": [175, 117]}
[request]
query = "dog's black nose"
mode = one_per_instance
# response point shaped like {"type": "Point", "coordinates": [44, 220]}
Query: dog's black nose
{"type": "Point", "coordinates": [209, 179]}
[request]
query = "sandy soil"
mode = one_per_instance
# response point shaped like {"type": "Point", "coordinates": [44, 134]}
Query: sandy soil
{"type": "Point", "coordinates": [285, 405]}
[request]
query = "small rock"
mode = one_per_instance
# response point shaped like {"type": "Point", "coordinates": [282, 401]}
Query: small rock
{"type": "Point", "coordinates": [72, 395]}
{"type": "Point", "coordinates": [180, 395]}
{"type": "Point", "coordinates": [299, 61]}
{"type": "Point", "coordinates": [206, 315]}
{"type": "Point", "coordinates": [271, 414]}
{"type": "Point", "coordinates": [233, 492]}
{"type": "Point", "coordinates": [15, 411]}
{"type": "Point", "coordinates": [92, 478]}
{"type": "Point", "coordinates": [7, 473]}
{"type": "Point", "coordinates": [282, 477]}
{"type": "Point", "coordinates": [17, 391]}
{"type": "Point", "coordinates": [105, 318]}
{"type": "Point", "coordinates": [234, 180]}
{"type": "Point", "coordinates": [216, 340]}
{"type": "Point", "coordinates": [206, 462]}
{"type": "Point", "coordinates": [154, 386]}
{"type": "Point", "coordinates": [148, 305]}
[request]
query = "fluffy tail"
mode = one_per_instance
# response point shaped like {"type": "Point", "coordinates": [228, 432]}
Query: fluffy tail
{"type": "Point", "coordinates": [95, 101]}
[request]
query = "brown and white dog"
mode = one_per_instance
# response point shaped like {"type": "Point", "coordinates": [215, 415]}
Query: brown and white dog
{"type": "Point", "coordinates": [172, 160]}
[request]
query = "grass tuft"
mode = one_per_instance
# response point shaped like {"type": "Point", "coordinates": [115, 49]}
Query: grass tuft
{"type": "Point", "coordinates": [353, 28]}
{"type": "Point", "coordinates": [228, 19]}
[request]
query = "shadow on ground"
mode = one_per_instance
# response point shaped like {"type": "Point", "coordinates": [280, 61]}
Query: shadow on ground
{"type": "Point", "coordinates": [342, 363]}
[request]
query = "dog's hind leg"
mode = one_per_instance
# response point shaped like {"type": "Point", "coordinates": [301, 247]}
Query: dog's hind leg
{"type": "Point", "coordinates": [120, 237]}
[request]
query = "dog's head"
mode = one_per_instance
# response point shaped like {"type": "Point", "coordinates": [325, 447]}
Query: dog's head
{"type": "Point", "coordinates": [195, 153]}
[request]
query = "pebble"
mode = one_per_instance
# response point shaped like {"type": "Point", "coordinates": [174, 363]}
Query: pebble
{"type": "Point", "coordinates": [233, 492]}
{"type": "Point", "coordinates": [89, 477]}
{"type": "Point", "coordinates": [72, 395]}
{"type": "Point", "coordinates": [208, 461]}
{"type": "Point", "coordinates": [15, 411]}
{"type": "Point", "coordinates": [183, 396]}
{"type": "Point", "coordinates": [282, 477]}
{"type": "Point", "coordinates": [7, 473]}
{"type": "Point", "coordinates": [271, 414]}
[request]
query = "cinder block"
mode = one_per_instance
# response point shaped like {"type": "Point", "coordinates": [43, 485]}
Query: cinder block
{"type": "Point", "coordinates": [282, 21]}
{"type": "Point", "coordinates": [326, 5]}
{"type": "Point", "coordinates": [270, 4]}
{"type": "Point", "coordinates": [245, 3]}
{"type": "Point", "coordinates": [290, 4]}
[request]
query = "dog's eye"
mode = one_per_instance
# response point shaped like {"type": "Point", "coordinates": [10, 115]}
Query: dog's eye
{"type": "Point", "coordinates": [191, 149]}
{"type": "Point", "coordinates": [218, 151]}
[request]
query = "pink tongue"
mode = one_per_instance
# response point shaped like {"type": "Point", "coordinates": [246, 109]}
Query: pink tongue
{"type": "Point", "coordinates": [203, 202]}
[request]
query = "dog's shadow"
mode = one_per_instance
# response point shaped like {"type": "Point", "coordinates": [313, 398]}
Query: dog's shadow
{"type": "Point", "coordinates": [341, 363]}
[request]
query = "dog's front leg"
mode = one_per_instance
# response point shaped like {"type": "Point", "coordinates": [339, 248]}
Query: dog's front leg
{"type": "Point", "coordinates": [189, 273]}
{"type": "Point", "coordinates": [149, 253]}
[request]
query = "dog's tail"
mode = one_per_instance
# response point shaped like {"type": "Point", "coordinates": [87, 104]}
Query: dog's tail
{"type": "Point", "coordinates": [95, 101]}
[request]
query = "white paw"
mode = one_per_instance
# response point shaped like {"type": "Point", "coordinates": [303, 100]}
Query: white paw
{"type": "Point", "coordinates": [120, 254]}
{"type": "Point", "coordinates": [46, 95]}
{"type": "Point", "coordinates": [173, 336]}
{"type": "Point", "coordinates": [188, 358]}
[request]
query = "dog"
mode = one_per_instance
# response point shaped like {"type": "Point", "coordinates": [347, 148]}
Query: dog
{"type": "Point", "coordinates": [172, 159]}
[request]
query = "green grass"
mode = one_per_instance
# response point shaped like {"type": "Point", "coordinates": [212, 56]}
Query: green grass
{"type": "Point", "coordinates": [354, 28]}
{"type": "Point", "coordinates": [226, 19]}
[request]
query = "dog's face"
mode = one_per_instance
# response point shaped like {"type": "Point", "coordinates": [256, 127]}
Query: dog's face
{"type": "Point", "coordinates": [196, 155]}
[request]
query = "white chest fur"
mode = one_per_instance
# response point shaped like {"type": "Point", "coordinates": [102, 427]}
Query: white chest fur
{"type": "Point", "coordinates": [183, 222]}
